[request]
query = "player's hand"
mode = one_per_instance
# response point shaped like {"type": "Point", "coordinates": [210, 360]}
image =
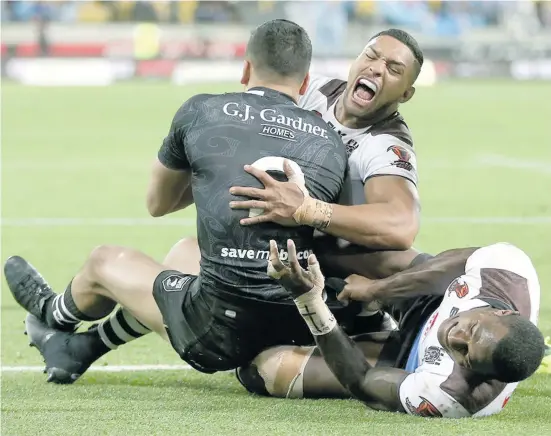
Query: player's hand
{"type": "Point", "coordinates": [279, 200]}
{"type": "Point", "coordinates": [359, 288]}
{"type": "Point", "coordinates": [292, 276]}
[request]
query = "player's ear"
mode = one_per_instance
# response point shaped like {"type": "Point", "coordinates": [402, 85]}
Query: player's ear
{"type": "Point", "coordinates": [305, 84]}
{"type": "Point", "coordinates": [506, 312]}
{"type": "Point", "coordinates": [407, 95]}
{"type": "Point", "coordinates": [246, 74]}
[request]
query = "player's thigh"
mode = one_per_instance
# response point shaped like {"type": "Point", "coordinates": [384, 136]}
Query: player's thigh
{"type": "Point", "coordinates": [302, 372]}
{"type": "Point", "coordinates": [184, 256]}
{"type": "Point", "coordinates": [128, 275]}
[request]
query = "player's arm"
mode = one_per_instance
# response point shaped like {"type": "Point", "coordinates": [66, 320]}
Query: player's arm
{"type": "Point", "coordinates": [169, 190]}
{"type": "Point", "coordinates": [376, 387]}
{"type": "Point", "coordinates": [429, 278]}
{"type": "Point", "coordinates": [389, 220]}
{"type": "Point", "coordinates": [170, 182]}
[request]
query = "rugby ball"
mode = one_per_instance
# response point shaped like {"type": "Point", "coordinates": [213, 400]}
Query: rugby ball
{"type": "Point", "coordinates": [273, 163]}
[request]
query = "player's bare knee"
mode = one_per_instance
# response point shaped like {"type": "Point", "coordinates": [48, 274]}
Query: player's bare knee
{"type": "Point", "coordinates": [99, 257]}
{"type": "Point", "coordinates": [277, 371]}
{"type": "Point", "coordinates": [184, 256]}
{"type": "Point", "coordinates": [184, 247]}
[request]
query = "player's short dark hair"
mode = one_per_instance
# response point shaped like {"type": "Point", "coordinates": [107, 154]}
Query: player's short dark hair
{"type": "Point", "coordinates": [520, 352]}
{"type": "Point", "coordinates": [409, 41]}
{"type": "Point", "coordinates": [281, 48]}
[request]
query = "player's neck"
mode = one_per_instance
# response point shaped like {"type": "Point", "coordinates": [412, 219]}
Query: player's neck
{"type": "Point", "coordinates": [353, 122]}
{"type": "Point", "coordinates": [284, 89]}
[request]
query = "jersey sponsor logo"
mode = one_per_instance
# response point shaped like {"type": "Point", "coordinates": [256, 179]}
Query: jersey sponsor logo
{"type": "Point", "coordinates": [403, 156]}
{"type": "Point", "coordinates": [433, 355]}
{"type": "Point", "coordinates": [460, 288]}
{"type": "Point", "coordinates": [245, 253]}
{"type": "Point", "coordinates": [277, 132]}
{"type": "Point", "coordinates": [271, 116]}
{"type": "Point", "coordinates": [245, 113]}
{"type": "Point", "coordinates": [175, 283]}
{"type": "Point", "coordinates": [425, 408]}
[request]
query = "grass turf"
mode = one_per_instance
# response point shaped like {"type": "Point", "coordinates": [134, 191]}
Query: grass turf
{"type": "Point", "coordinates": [85, 153]}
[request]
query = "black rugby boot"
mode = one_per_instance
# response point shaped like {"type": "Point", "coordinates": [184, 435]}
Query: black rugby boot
{"type": "Point", "coordinates": [28, 287]}
{"type": "Point", "coordinates": [67, 355]}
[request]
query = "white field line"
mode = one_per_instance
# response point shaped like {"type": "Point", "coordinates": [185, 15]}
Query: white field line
{"type": "Point", "coordinates": [107, 368]}
{"type": "Point", "coordinates": [502, 161]}
{"type": "Point", "coordinates": [188, 222]}
{"type": "Point", "coordinates": [487, 160]}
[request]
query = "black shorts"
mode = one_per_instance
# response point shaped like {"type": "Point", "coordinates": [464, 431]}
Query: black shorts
{"type": "Point", "coordinates": [214, 331]}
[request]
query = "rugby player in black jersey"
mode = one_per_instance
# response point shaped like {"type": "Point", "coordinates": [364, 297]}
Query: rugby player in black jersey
{"type": "Point", "coordinates": [223, 316]}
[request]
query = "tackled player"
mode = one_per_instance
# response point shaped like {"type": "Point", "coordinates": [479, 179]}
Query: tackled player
{"type": "Point", "coordinates": [467, 336]}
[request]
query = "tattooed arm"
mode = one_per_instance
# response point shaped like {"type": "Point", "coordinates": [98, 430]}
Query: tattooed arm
{"type": "Point", "coordinates": [378, 388]}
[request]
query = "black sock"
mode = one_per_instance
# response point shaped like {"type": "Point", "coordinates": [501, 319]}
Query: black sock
{"type": "Point", "coordinates": [120, 328]}
{"type": "Point", "coordinates": [62, 312]}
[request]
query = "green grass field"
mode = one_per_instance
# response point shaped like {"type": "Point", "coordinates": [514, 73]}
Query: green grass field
{"type": "Point", "coordinates": [485, 172]}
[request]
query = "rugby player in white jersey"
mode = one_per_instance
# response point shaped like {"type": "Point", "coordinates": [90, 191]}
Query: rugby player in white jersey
{"type": "Point", "coordinates": [467, 336]}
{"type": "Point", "coordinates": [372, 229]}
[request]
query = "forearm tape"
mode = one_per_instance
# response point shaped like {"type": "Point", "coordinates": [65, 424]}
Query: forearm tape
{"type": "Point", "coordinates": [315, 312]}
{"type": "Point", "coordinates": [314, 213]}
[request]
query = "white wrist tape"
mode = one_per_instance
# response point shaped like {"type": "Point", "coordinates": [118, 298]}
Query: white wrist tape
{"type": "Point", "coordinates": [315, 312]}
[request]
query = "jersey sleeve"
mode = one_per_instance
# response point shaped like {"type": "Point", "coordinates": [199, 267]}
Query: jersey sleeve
{"type": "Point", "coordinates": [504, 273]}
{"type": "Point", "coordinates": [172, 153]}
{"type": "Point", "coordinates": [385, 155]}
{"type": "Point", "coordinates": [420, 395]}
{"type": "Point", "coordinates": [503, 256]}
{"type": "Point", "coordinates": [312, 98]}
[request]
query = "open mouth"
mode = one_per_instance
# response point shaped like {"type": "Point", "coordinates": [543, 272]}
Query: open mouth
{"type": "Point", "coordinates": [364, 91]}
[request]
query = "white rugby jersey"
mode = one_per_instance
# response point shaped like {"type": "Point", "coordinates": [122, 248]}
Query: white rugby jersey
{"type": "Point", "coordinates": [385, 148]}
{"type": "Point", "coordinates": [496, 274]}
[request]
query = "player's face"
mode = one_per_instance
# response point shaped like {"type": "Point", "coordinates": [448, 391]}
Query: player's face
{"type": "Point", "coordinates": [470, 337]}
{"type": "Point", "coordinates": [380, 78]}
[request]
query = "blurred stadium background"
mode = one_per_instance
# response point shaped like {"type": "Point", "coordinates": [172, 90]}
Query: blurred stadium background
{"type": "Point", "coordinates": [112, 41]}
{"type": "Point", "coordinates": [88, 92]}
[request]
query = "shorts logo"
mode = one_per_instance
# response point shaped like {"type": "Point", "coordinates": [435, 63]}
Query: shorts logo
{"type": "Point", "coordinates": [403, 156]}
{"type": "Point", "coordinates": [454, 311]}
{"type": "Point", "coordinates": [425, 408]}
{"type": "Point", "coordinates": [460, 288]}
{"type": "Point", "coordinates": [175, 283]}
{"type": "Point", "coordinates": [433, 355]}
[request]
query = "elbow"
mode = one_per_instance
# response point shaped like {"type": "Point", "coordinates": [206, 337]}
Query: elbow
{"type": "Point", "coordinates": [155, 212]}
{"type": "Point", "coordinates": [155, 208]}
{"type": "Point", "coordinates": [401, 240]}
{"type": "Point", "coordinates": [402, 233]}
